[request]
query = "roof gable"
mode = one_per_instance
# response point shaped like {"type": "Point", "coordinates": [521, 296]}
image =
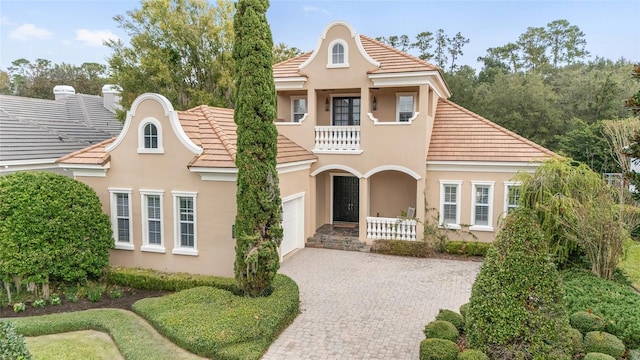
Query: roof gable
{"type": "Point", "coordinates": [461, 135]}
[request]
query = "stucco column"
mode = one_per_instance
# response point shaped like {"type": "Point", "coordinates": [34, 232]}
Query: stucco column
{"type": "Point", "coordinates": [420, 208]}
{"type": "Point", "coordinates": [310, 211]}
{"type": "Point", "coordinates": [364, 209]}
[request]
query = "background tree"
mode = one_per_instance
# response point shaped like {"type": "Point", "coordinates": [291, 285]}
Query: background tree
{"type": "Point", "coordinates": [566, 43]}
{"type": "Point", "coordinates": [423, 44]}
{"type": "Point", "coordinates": [633, 102]}
{"type": "Point", "coordinates": [454, 47]}
{"type": "Point", "coordinates": [440, 51]}
{"type": "Point", "coordinates": [282, 52]}
{"type": "Point", "coordinates": [180, 48]}
{"type": "Point", "coordinates": [258, 228]}
{"type": "Point", "coordinates": [5, 83]}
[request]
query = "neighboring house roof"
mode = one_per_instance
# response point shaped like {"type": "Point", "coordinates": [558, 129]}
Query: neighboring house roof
{"type": "Point", "coordinates": [391, 60]}
{"type": "Point", "coordinates": [211, 128]}
{"type": "Point", "coordinates": [33, 129]}
{"type": "Point", "coordinates": [461, 135]}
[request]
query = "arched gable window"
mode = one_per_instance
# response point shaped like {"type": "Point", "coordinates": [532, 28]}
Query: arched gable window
{"type": "Point", "coordinates": [150, 137]}
{"type": "Point", "coordinates": [338, 54]}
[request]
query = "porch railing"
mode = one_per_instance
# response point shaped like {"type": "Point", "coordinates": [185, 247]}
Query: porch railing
{"type": "Point", "coordinates": [337, 138]}
{"type": "Point", "coordinates": [391, 228]}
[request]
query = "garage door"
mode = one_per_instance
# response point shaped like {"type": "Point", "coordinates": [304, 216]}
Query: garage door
{"type": "Point", "coordinates": [293, 224]}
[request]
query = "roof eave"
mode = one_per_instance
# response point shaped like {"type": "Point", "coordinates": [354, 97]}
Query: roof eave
{"type": "Point", "coordinates": [290, 83]}
{"type": "Point", "coordinates": [433, 78]}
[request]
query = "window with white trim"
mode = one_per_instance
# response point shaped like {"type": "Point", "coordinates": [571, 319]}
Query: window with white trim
{"type": "Point", "coordinates": [150, 137]}
{"type": "Point", "coordinates": [152, 234]}
{"type": "Point", "coordinates": [121, 225]}
{"type": "Point", "coordinates": [185, 226]}
{"type": "Point", "coordinates": [450, 203]}
{"type": "Point", "coordinates": [482, 205]}
{"type": "Point", "coordinates": [298, 108]}
{"type": "Point", "coordinates": [405, 106]}
{"type": "Point", "coordinates": [338, 54]}
{"type": "Point", "coordinates": [511, 196]}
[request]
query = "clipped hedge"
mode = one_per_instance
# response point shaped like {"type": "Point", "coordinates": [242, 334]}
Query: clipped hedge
{"type": "Point", "coordinates": [162, 281]}
{"type": "Point", "coordinates": [634, 354]}
{"type": "Point", "coordinates": [401, 248]}
{"type": "Point", "coordinates": [602, 342]}
{"type": "Point", "coordinates": [12, 345]}
{"type": "Point", "coordinates": [464, 309]}
{"type": "Point", "coordinates": [441, 329]}
{"type": "Point", "coordinates": [598, 356]}
{"type": "Point", "coordinates": [576, 341]}
{"type": "Point", "coordinates": [452, 317]}
{"type": "Point", "coordinates": [617, 303]}
{"type": "Point", "coordinates": [469, 248]}
{"type": "Point", "coordinates": [218, 324]}
{"type": "Point", "coordinates": [472, 354]}
{"type": "Point", "coordinates": [438, 349]}
{"type": "Point", "coordinates": [586, 321]}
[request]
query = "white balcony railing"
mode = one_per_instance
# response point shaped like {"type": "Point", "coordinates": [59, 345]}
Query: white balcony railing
{"type": "Point", "coordinates": [338, 139]}
{"type": "Point", "coordinates": [391, 228]}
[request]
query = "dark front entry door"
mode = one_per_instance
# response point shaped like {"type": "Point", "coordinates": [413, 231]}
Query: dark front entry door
{"type": "Point", "coordinates": [346, 111]}
{"type": "Point", "coordinates": [346, 198]}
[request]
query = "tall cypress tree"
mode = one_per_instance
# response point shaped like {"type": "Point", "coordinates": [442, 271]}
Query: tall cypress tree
{"type": "Point", "coordinates": [258, 228]}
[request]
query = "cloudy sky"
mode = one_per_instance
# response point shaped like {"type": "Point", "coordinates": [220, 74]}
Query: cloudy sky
{"type": "Point", "coordinates": [73, 31]}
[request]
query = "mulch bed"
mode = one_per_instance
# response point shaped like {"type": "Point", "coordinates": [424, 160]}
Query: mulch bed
{"type": "Point", "coordinates": [129, 297]}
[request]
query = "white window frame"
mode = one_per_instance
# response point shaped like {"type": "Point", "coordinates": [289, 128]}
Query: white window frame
{"type": "Point", "coordinates": [141, 148]}
{"type": "Point", "coordinates": [490, 205]}
{"type": "Point", "coordinates": [178, 249]}
{"type": "Point", "coordinates": [345, 47]}
{"type": "Point", "coordinates": [146, 246]}
{"type": "Point", "coordinates": [458, 185]}
{"type": "Point", "coordinates": [306, 109]}
{"type": "Point", "coordinates": [113, 199]}
{"type": "Point", "coordinates": [414, 113]}
{"type": "Point", "coordinates": [507, 186]}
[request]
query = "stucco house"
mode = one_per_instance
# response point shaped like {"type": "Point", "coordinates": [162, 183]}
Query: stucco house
{"type": "Point", "coordinates": [366, 135]}
{"type": "Point", "coordinates": [34, 133]}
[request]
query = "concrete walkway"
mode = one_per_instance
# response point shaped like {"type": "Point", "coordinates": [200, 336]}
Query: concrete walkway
{"type": "Point", "coordinates": [367, 306]}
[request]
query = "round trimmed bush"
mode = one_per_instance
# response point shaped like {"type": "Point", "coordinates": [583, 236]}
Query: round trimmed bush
{"type": "Point", "coordinates": [52, 227]}
{"type": "Point", "coordinates": [438, 349]}
{"type": "Point", "coordinates": [452, 317]}
{"type": "Point", "coordinates": [586, 321]}
{"type": "Point", "coordinates": [602, 342]}
{"type": "Point", "coordinates": [472, 354]}
{"type": "Point", "coordinates": [576, 341]}
{"type": "Point", "coordinates": [634, 354]}
{"type": "Point", "coordinates": [441, 329]}
{"type": "Point", "coordinates": [598, 356]}
{"type": "Point", "coordinates": [464, 309]}
{"type": "Point", "coordinates": [12, 344]}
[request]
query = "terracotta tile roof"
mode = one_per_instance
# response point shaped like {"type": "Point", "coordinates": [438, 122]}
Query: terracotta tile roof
{"type": "Point", "coordinates": [460, 135]}
{"type": "Point", "coordinates": [211, 128]}
{"type": "Point", "coordinates": [391, 60]}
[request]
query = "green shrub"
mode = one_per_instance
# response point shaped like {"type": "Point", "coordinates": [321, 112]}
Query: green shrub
{"type": "Point", "coordinates": [401, 248]}
{"type": "Point", "coordinates": [464, 309]}
{"type": "Point", "coordinates": [157, 280]}
{"type": "Point", "coordinates": [55, 300]}
{"type": "Point", "coordinates": [452, 317]}
{"type": "Point", "coordinates": [39, 303]}
{"type": "Point", "coordinates": [634, 354]}
{"type": "Point", "coordinates": [602, 342]}
{"type": "Point", "coordinates": [586, 321]}
{"type": "Point", "coordinates": [441, 329]}
{"type": "Point", "coordinates": [598, 356]}
{"type": "Point", "coordinates": [472, 354]}
{"type": "Point", "coordinates": [94, 293]}
{"type": "Point", "coordinates": [12, 344]}
{"type": "Point", "coordinates": [438, 349]}
{"type": "Point", "coordinates": [218, 324]}
{"type": "Point", "coordinates": [115, 293]}
{"type": "Point", "coordinates": [472, 248]}
{"type": "Point", "coordinates": [19, 307]}
{"type": "Point", "coordinates": [576, 341]}
{"type": "Point", "coordinates": [516, 307]}
{"type": "Point", "coordinates": [52, 227]}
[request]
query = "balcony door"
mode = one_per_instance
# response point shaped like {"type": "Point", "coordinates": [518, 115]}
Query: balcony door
{"type": "Point", "coordinates": [346, 198]}
{"type": "Point", "coordinates": [346, 111]}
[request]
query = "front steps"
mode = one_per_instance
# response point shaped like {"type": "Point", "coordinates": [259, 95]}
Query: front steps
{"type": "Point", "coordinates": [338, 237]}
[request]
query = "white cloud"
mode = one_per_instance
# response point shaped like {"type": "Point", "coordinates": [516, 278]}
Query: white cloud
{"type": "Point", "coordinates": [311, 9]}
{"type": "Point", "coordinates": [95, 37]}
{"type": "Point", "coordinates": [26, 32]}
{"type": "Point", "coordinates": [4, 21]}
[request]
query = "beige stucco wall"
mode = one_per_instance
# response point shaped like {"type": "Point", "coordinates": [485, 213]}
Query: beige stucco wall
{"type": "Point", "coordinates": [215, 201]}
{"type": "Point", "coordinates": [391, 192]}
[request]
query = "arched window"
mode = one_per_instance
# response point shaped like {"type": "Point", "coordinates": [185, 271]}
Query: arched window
{"type": "Point", "coordinates": [150, 136]}
{"type": "Point", "coordinates": [338, 52]}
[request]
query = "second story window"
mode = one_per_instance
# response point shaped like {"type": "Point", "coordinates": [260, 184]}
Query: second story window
{"type": "Point", "coordinates": [338, 54]}
{"type": "Point", "coordinates": [150, 136]}
{"type": "Point", "coordinates": [405, 107]}
{"type": "Point", "coordinates": [299, 109]}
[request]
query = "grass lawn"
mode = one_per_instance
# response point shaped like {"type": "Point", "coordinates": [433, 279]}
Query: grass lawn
{"type": "Point", "coordinates": [631, 265]}
{"type": "Point", "coordinates": [86, 344]}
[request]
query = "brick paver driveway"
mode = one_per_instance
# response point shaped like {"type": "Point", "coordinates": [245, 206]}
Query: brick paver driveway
{"type": "Point", "coordinates": [367, 306]}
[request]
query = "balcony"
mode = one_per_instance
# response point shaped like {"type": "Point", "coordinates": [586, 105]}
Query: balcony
{"type": "Point", "coordinates": [337, 140]}
{"type": "Point", "coordinates": [380, 228]}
